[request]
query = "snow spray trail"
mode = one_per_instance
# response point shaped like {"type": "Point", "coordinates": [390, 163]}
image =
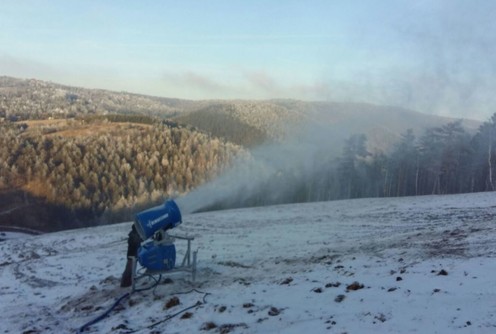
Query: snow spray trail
{"type": "Point", "coordinates": [272, 174]}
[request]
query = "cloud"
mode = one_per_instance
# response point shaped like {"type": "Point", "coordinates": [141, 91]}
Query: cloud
{"type": "Point", "coordinates": [240, 84]}
{"type": "Point", "coordinates": [266, 85]}
{"type": "Point", "coordinates": [317, 90]}
{"type": "Point", "coordinates": [26, 68]}
{"type": "Point", "coordinates": [202, 82]}
{"type": "Point", "coordinates": [261, 80]}
{"type": "Point", "coordinates": [191, 84]}
{"type": "Point", "coordinates": [100, 77]}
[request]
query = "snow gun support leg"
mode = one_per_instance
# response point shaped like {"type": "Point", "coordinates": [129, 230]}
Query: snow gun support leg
{"type": "Point", "coordinates": [188, 264]}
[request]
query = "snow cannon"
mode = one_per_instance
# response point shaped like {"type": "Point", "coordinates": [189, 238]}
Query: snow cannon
{"type": "Point", "coordinates": [157, 252]}
{"type": "Point", "coordinates": [161, 217]}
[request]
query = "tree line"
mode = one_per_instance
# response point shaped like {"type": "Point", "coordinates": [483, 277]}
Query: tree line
{"type": "Point", "coordinates": [104, 178]}
{"type": "Point", "coordinates": [443, 160]}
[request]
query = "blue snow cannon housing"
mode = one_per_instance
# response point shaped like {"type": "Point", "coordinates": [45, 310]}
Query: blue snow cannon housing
{"type": "Point", "coordinates": [158, 253]}
{"type": "Point", "coordinates": [157, 257]}
{"type": "Point", "coordinates": [161, 217]}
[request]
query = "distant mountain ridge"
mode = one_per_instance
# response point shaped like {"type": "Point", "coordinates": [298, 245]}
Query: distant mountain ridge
{"type": "Point", "coordinates": [281, 119]}
{"type": "Point", "coordinates": [244, 122]}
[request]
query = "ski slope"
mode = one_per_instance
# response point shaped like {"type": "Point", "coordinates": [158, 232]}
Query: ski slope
{"type": "Point", "coordinates": [396, 265]}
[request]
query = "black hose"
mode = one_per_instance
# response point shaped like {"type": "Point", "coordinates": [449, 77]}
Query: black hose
{"type": "Point", "coordinates": [153, 286]}
{"type": "Point", "coordinates": [106, 313]}
{"type": "Point", "coordinates": [127, 294]}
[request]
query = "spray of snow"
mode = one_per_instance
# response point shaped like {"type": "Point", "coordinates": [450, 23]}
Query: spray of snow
{"type": "Point", "coordinates": [268, 174]}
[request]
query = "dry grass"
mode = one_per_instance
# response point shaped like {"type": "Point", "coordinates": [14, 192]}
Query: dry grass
{"type": "Point", "coordinates": [97, 129]}
{"type": "Point", "coordinates": [70, 129]}
{"type": "Point", "coordinates": [45, 122]}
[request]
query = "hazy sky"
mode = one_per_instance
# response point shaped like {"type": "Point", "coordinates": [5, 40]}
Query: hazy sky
{"type": "Point", "coordinates": [434, 56]}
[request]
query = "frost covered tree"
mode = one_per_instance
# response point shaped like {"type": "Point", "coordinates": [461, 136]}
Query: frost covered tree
{"type": "Point", "coordinates": [351, 166]}
{"type": "Point", "coordinates": [484, 162]}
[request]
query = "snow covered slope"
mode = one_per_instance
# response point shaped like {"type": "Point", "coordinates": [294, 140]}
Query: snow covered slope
{"type": "Point", "coordinates": [403, 265]}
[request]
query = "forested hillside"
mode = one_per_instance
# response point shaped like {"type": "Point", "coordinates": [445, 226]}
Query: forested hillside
{"type": "Point", "coordinates": [214, 119]}
{"type": "Point", "coordinates": [77, 172]}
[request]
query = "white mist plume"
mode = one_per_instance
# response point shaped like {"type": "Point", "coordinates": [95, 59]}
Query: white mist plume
{"type": "Point", "coordinates": [271, 171]}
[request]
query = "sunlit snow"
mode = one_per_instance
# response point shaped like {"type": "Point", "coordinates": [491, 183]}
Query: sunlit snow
{"type": "Point", "coordinates": [397, 265]}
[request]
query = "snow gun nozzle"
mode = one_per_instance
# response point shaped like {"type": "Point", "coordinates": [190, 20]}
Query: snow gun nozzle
{"type": "Point", "coordinates": [161, 217]}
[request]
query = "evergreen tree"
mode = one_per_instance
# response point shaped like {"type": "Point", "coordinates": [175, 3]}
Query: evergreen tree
{"type": "Point", "coordinates": [351, 166]}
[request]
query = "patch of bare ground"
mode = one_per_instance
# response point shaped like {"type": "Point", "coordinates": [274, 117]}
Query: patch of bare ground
{"type": "Point", "coordinates": [71, 128]}
{"type": "Point", "coordinates": [449, 243]}
{"type": "Point", "coordinates": [97, 129]}
{"type": "Point", "coordinates": [45, 122]}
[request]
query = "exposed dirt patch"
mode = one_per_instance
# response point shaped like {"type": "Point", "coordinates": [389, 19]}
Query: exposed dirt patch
{"type": "Point", "coordinates": [448, 243]}
{"type": "Point", "coordinates": [71, 128]}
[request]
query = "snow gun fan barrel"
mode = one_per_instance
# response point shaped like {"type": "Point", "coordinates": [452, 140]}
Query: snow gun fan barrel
{"type": "Point", "coordinates": [165, 216]}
